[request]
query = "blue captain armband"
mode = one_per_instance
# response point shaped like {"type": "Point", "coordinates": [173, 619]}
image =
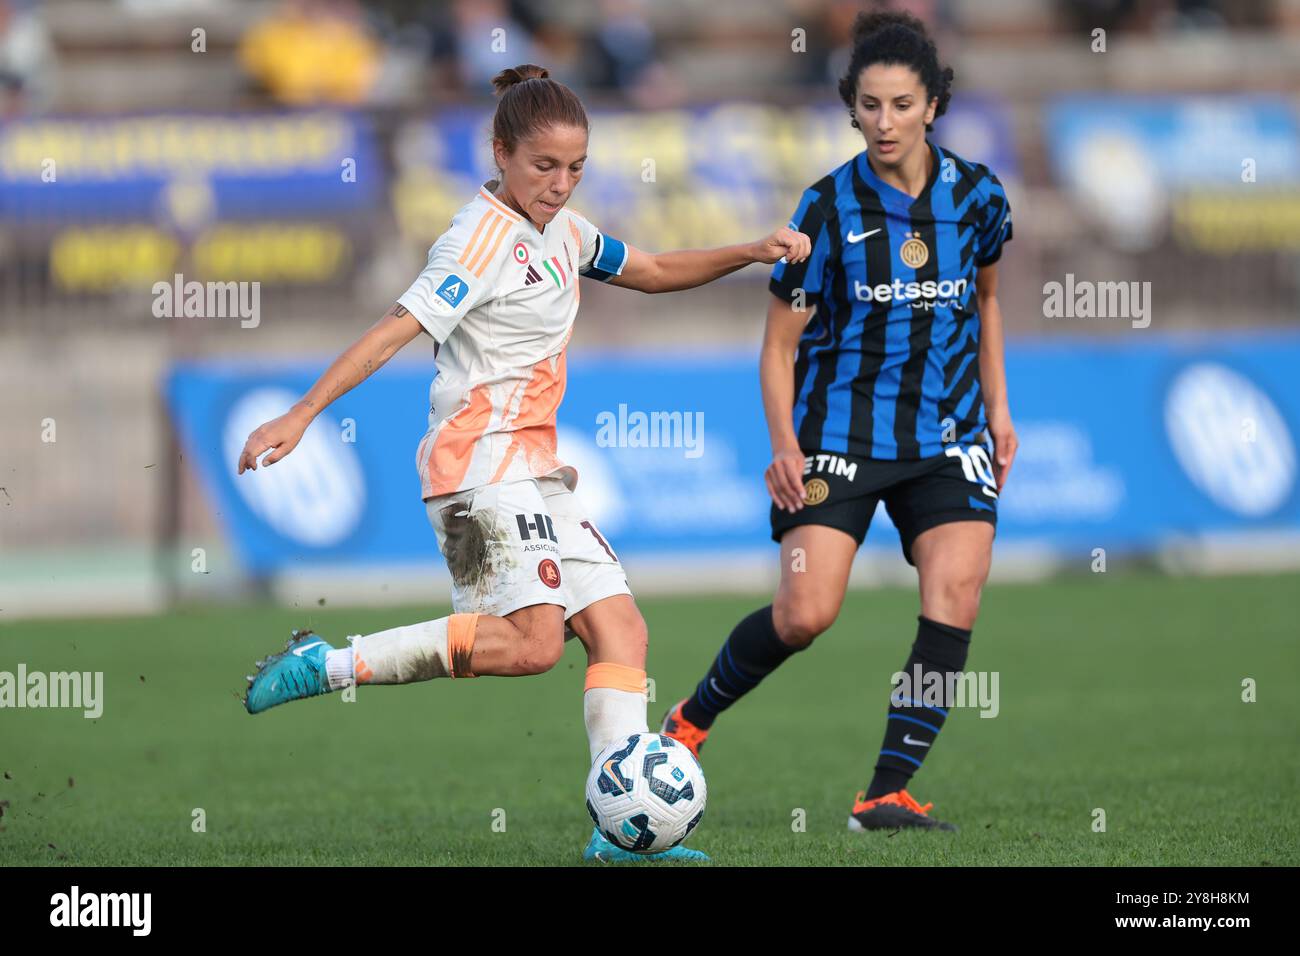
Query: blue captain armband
{"type": "Point", "coordinates": [610, 258]}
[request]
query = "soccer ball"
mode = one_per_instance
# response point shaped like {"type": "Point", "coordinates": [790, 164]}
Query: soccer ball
{"type": "Point", "coordinates": [646, 793]}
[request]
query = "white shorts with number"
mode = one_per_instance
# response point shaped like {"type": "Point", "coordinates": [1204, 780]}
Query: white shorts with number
{"type": "Point", "coordinates": [514, 544]}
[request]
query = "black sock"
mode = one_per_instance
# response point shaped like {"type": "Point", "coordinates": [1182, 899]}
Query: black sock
{"type": "Point", "coordinates": [912, 726]}
{"type": "Point", "coordinates": [751, 653]}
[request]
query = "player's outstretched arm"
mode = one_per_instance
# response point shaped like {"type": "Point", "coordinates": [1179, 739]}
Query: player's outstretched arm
{"type": "Point", "coordinates": [993, 374]}
{"type": "Point", "coordinates": [776, 375]}
{"type": "Point", "coordinates": [362, 359]}
{"type": "Point", "coordinates": [688, 268]}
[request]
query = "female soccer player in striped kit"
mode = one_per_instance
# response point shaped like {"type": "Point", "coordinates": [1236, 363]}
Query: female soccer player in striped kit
{"type": "Point", "coordinates": [499, 296]}
{"type": "Point", "coordinates": [890, 393]}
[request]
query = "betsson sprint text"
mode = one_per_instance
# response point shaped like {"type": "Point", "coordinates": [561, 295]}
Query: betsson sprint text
{"type": "Point", "coordinates": [919, 295]}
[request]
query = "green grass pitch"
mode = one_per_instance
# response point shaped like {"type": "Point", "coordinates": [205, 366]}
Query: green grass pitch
{"type": "Point", "coordinates": [1119, 691]}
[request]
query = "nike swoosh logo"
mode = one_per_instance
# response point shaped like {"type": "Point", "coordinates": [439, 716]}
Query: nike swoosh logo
{"type": "Point", "coordinates": [306, 647]}
{"type": "Point", "coordinates": [852, 238]}
{"type": "Point", "coordinates": [907, 739]}
{"type": "Point", "coordinates": [713, 682]}
{"type": "Point", "coordinates": [610, 773]}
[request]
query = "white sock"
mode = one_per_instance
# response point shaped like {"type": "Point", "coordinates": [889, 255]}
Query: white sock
{"type": "Point", "coordinates": [338, 668]}
{"type": "Point", "coordinates": [610, 714]}
{"type": "Point", "coordinates": [402, 655]}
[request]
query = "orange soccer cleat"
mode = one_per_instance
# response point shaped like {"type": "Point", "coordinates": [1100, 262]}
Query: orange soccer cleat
{"type": "Point", "coordinates": [676, 726]}
{"type": "Point", "coordinates": [892, 812]}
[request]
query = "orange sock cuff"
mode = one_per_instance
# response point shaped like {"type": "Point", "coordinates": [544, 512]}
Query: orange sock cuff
{"type": "Point", "coordinates": [361, 671]}
{"type": "Point", "coordinates": [616, 677]}
{"type": "Point", "coordinates": [460, 643]}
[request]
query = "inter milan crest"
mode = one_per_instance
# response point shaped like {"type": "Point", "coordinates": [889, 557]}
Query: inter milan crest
{"type": "Point", "coordinates": [914, 252]}
{"type": "Point", "coordinates": [816, 491]}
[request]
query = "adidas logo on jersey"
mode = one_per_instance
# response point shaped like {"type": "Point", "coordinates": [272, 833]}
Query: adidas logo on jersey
{"type": "Point", "coordinates": [533, 276]}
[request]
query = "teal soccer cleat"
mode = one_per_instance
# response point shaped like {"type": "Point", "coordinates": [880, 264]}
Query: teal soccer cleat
{"type": "Point", "coordinates": [600, 850]}
{"type": "Point", "coordinates": [296, 672]}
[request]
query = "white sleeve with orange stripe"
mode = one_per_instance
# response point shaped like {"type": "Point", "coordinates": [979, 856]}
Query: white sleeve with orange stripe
{"type": "Point", "coordinates": [462, 270]}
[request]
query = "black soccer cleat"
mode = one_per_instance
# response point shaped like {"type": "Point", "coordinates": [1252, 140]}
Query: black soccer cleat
{"type": "Point", "coordinates": [893, 811]}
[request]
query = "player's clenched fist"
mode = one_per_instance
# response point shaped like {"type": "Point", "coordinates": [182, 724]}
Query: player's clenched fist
{"type": "Point", "coordinates": [785, 244]}
{"type": "Point", "coordinates": [279, 436]}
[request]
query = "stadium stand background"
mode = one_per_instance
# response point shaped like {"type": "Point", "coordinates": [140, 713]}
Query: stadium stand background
{"type": "Point", "coordinates": [79, 344]}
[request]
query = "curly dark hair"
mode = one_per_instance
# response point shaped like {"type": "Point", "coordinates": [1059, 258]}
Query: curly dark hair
{"type": "Point", "coordinates": [896, 37]}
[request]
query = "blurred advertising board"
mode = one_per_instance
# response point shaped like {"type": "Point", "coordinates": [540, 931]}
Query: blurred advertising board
{"type": "Point", "coordinates": [98, 205]}
{"type": "Point", "coordinates": [178, 167]}
{"type": "Point", "coordinates": [1221, 174]}
{"type": "Point", "coordinates": [1129, 448]}
{"type": "Point", "coordinates": [669, 179]}
{"type": "Point", "coordinates": [120, 202]}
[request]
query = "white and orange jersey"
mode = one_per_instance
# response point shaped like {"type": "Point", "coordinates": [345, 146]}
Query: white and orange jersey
{"type": "Point", "coordinates": [500, 298]}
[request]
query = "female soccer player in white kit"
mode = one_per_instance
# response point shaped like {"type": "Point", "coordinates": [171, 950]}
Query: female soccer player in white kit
{"type": "Point", "coordinates": [499, 296]}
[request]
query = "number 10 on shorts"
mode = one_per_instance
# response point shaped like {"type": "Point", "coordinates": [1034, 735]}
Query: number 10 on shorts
{"type": "Point", "coordinates": [975, 465]}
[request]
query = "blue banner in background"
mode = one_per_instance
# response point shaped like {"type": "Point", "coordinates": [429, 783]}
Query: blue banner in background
{"type": "Point", "coordinates": [1124, 447]}
{"type": "Point", "coordinates": [1220, 174]}
{"type": "Point", "coordinates": [174, 168]}
{"type": "Point", "coordinates": [1186, 140]}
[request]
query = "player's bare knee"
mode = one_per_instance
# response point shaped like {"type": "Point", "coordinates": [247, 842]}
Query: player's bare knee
{"type": "Point", "coordinates": [539, 655]}
{"type": "Point", "coordinates": [956, 601]}
{"type": "Point", "coordinates": [968, 599]}
{"type": "Point", "coordinates": [541, 646]}
{"type": "Point", "coordinates": [799, 623]}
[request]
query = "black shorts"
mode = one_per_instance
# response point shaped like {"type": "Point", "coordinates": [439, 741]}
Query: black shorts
{"type": "Point", "coordinates": [842, 491]}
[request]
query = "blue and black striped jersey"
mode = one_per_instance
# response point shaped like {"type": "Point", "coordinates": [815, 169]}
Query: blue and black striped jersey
{"type": "Point", "coordinates": [888, 367]}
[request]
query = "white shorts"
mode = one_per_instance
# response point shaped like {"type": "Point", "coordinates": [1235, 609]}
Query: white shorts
{"type": "Point", "coordinates": [514, 544]}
